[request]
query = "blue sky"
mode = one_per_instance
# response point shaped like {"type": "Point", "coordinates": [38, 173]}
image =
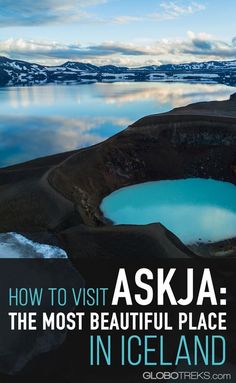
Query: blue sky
{"type": "Point", "coordinates": [118, 32]}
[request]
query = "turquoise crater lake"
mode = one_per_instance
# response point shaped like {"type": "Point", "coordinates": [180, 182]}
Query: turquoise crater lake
{"type": "Point", "coordinates": [194, 209]}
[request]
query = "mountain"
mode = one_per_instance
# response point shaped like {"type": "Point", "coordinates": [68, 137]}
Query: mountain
{"type": "Point", "coordinates": [196, 66]}
{"type": "Point", "coordinates": [18, 72]}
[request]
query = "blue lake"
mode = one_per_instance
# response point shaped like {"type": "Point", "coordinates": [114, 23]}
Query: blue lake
{"type": "Point", "coordinates": [42, 120]}
{"type": "Point", "coordinates": [194, 209]}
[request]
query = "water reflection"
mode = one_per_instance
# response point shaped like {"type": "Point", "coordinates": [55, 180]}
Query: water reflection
{"type": "Point", "coordinates": [25, 138]}
{"type": "Point", "coordinates": [37, 121]}
{"type": "Point", "coordinates": [167, 93]}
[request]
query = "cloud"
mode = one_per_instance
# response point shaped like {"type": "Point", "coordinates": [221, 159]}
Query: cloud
{"type": "Point", "coordinates": [196, 47]}
{"type": "Point", "coordinates": [47, 12]}
{"type": "Point", "coordinates": [205, 45]}
{"type": "Point", "coordinates": [120, 48]}
{"type": "Point", "coordinates": [168, 10]}
{"type": "Point", "coordinates": [126, 19]}
{"type": "Point", "coordinates": [34, 50]}
{"type": "Point", "coordinates": [43, 12]}
{"type": "Point", "coordinates": [172, 9]}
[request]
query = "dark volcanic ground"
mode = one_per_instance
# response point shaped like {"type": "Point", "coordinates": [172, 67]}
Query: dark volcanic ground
{"type": "Point", "coordinates": [57, 198]}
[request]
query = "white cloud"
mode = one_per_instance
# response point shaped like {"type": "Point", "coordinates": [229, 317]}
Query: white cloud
{"type": "Point", "coordinates": [47, 12]}
{"type": "Point", "coordinates": [126, 19]}
{"type": "Point", "coordinates": [172, 10]}
{"type": "Point", "coordinates": [196, 47]}
{"type": "Point", "coordinates": [168, 10]}
{"type": "Point", "coordinates": [43, 12]}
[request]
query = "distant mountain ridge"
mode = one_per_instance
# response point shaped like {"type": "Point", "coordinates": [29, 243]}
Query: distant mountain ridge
{"type": "Point", "coordinates": [18, 72]}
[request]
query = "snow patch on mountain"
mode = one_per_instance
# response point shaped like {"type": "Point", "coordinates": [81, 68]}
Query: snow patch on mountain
{"type": "Point", "coordinates": [17, 72]}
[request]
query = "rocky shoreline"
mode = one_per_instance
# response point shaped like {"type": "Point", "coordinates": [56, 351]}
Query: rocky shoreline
{"type": "Point", "coordinates": [57, 198]}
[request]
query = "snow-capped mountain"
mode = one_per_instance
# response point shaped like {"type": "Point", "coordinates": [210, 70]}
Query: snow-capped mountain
{"type": "Point", "coordinates": [17, 72]}
{"type": "Point", "coordinates": [196, 66]}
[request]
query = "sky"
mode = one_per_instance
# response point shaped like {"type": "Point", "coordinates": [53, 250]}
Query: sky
{"type": "Point", "coordinates": [119, 32]}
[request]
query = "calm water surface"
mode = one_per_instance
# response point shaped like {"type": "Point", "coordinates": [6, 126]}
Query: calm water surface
{"type": "Point", "coordinates": [195, 209]}
{"type": "Point", "coordinates": [37, 121]}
